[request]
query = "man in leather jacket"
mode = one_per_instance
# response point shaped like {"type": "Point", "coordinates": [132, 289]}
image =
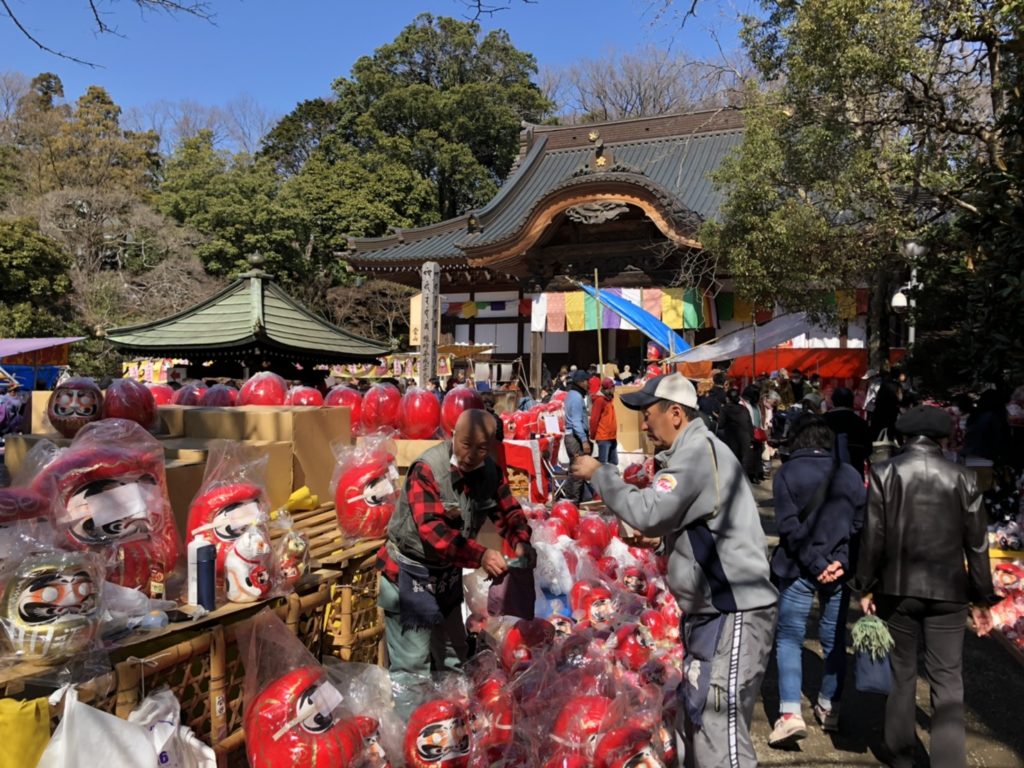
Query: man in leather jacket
{"type": "Point", "coordinates": [925, 517]}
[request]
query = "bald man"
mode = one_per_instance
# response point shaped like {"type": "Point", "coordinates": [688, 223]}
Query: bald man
{"type": "Point", "coordinates": [451, 489]}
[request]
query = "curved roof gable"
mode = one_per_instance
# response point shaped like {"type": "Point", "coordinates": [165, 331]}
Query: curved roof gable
{"type": "Point", "coordinates": [672, 155]}
{"type": "Point", "coordinates": [251, 310]}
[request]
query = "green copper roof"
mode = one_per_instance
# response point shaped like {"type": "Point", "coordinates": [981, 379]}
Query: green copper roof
{"type": "Point", "coordinates": [252, 312]}
{"type": "Point", "coordinates": [672, 156]}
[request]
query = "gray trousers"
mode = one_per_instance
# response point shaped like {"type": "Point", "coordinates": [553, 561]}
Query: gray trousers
{"type": "Point", "coordinates": [574, 485]}
{"type": "Point", "coordinates": [723, 740]}
{"type": "Point", "coordinates": [411, 651]}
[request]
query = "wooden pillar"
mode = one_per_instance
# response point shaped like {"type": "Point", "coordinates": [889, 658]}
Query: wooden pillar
{"type": "Point", "coordinates": [536, 358]}
{"type": "Point", "coordinates": [431, 285]}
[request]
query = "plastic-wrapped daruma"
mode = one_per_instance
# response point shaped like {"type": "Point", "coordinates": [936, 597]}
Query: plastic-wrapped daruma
{"type": "Point", "coordinates": [304, 396]}
{"type": "Point", "coordinates": [230, 508]}
{"type": "Point", "coordinates": [348, 398]}
{"type": "Point", "coordinates": [579, 724]}
{"type": "Point", "coordinates": [380, 407]}
{"type": "Point", "coordinates": [129, 399]}
{"type": "Point", "coordinates": [109, 500]}
{"type": "Point", "coordinates": [162, 393]}
{"type": "Point", "coordinates": [366, 495]}
{"type": "Point", "coordinates": [189, 395]}
{"type": "Point", "coordinates": [219, 396]}
{"type": "Point", "coordinates": [73, 404]}
{"type": "Point", "coordinates": [291, 724]}
{"type": "Point", "coordinates": [627, 747]}
{"type": "Point", "coordinates": [419, 414]}
{"type": "Point", "coordinates": [458, 399]}
{"type": "Point", "coordinates": [263, 388]}
{"type": "Point", "coordinates": [50, 604]}
{"type": "Point", "coordinates": [437, 735]}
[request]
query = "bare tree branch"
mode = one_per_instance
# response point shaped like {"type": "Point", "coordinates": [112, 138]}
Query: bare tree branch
{"type": "Point", "coordinates": [480, 8]}
{"type": "Point", "coordinates": [198, 8]}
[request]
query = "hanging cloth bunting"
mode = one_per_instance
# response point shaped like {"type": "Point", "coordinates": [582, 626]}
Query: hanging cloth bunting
{"type": "Point", "coordinates": [724, 306]}
{"type": "Point", "coordinates": [633, 296]}
{"type": "Point", "coordinates": [591, 313]}
{"type": "Point", "coordinates": [672, 307]}
{"type": "Point", "coordinates": [608, 317]}
{"type": "Point", "coordinates": [574, 320]}
{"type": "Point", "coordinates": [652, 302]}
{"type": "Point", "coordinates": [693, 314]}
{"type": "Point", "coordinates": [743, 311]}
{"type": "Point", "coordinates": [539, 313]}
{"type": "Point", "coordinates": [556, 312]}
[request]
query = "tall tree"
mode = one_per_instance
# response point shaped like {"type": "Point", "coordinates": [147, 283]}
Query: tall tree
{"type": "Point", "coordinates": [883, 113]}
{"type": "Point", "coordinates": [445, 101]}
{"type": "Point", "coordinates": [33, 293]}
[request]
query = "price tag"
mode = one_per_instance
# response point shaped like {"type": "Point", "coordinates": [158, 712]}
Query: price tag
{"type": "Point", "coordinates": [117, 503]}
{"type": "Point", "coordinates": [240, 516]}
{"type": "Point", "coordinates": [326, 699]}
{"type": "Point", "coordinates": [551, 424]}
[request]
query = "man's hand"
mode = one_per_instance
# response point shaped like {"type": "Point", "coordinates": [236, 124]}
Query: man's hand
{"type": "Point", "coordinates": [633, 538]}
{"type": "Point", "coordinates": [525, 550]}
{"type": "Point", "coordinates": [867, 604]}
{"type": "Point", "coordinates": [494, 563]}
{"type": "Point", "coordinates": [982, 617]}
{"type": "Point", "coordinates": [588, 448]}
{"type": "Point", "coordinates": [584, 467]}
{"type": "Point", "coordinates": [832, 573]}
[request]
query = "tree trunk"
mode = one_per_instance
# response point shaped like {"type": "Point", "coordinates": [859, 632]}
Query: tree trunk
{"type": "Point", "coordinates": [878, 320]}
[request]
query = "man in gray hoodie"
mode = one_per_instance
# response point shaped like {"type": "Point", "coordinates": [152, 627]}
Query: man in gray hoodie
{"type": "Point", "coordinates": [701, 505]}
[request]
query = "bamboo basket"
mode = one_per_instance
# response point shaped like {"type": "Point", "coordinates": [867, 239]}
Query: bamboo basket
{"type": "Point", "coordinates": [354, 621]}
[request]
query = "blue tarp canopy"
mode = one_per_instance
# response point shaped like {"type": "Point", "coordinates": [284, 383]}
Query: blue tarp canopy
{"type": "Point", "coordinates": [644, 321]}
{"type": "Point", "coordinates": [34, 377]}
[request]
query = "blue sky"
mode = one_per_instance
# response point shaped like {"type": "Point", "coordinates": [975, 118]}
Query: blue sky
{"type": "Point", "coordinates": [281, 52]}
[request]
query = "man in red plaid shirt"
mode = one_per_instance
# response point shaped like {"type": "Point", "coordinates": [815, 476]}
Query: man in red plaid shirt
{"type": "Point", "coordinates": [450, 491]}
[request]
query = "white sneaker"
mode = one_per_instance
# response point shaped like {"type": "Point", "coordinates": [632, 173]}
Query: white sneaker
{"type": "Point", "coordinates": [789, 729]}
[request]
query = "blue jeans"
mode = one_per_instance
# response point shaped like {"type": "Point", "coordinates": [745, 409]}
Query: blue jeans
{"type": "Point", "coordinates": [796, 597]}
{"type": "Point", "coordinates": [608, 451]}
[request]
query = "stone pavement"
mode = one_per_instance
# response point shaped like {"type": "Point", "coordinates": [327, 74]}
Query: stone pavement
{"type": "Point", "coordinates": [993, 696]}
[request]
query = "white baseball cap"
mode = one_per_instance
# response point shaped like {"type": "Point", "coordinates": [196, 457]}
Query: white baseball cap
{"type": "Point", "coordinates": [673, 387]}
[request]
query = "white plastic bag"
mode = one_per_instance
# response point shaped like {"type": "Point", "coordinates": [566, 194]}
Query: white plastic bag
{"type": "Point", "coordinates": [176, 744]}
{"type": "Point", "coordinates": [86, 737]}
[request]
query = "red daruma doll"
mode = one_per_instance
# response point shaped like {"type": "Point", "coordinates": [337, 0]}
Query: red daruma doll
{"type": "Point", "coordinates": [264, 388]}
{"type": "Point", "coordinates": [304, 396]}
{"type": "Point", "coordinates": [380, 407]}
{"type": "Point", "coordinates": [419, 414]}
{"type": "Point", "coordinates": [346, 397]}
{"type": "Point", "coordinates": [459, 399]}
{"type": "Point", "coordinates": [128, 399]}
{"type": "Point", "coordinates": [73, 404]}
{"type": "Point", "coordinates": [366, 494]}
{"type": "Point", "coordinates": [162, 394]}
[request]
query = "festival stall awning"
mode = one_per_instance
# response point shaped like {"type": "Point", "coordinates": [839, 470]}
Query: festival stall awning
{"type": "Point", "coordinates": [10, 348]}
{"type": "Point", "coordinates": [644, 321]}
{"type": "Point", "coordinates": [749, 340]}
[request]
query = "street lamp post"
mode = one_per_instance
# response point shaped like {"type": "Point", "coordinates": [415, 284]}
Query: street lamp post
{"type": "Point", "coordinates": [905, 299]}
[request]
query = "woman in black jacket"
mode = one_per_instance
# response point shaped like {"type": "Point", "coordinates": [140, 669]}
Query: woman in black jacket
{"type": "Point", "coordinates": [819, 510]}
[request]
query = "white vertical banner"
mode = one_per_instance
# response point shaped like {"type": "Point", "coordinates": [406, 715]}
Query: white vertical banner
{"type": "Point", "coordinates": [633, 296]}
{"type": "Point", "coordinates": [539, 313]}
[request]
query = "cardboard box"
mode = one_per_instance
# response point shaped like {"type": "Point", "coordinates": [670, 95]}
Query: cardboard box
{"type": "Point", "coordinates": [630, 433]}
{"type": "Point", "coordinates": [39, 424]}
{"type": "Point", "coordinates": [270, 423]}
{"type": "Point", "coordinates": [172, 419]}
{"type": "Point", "coordinates": [409, 450]}
{"type": "Point", "coordinates": [183, 481]}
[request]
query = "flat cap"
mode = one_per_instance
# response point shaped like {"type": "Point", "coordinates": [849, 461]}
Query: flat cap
{"type": "Point", "coordinates": [925, 420]}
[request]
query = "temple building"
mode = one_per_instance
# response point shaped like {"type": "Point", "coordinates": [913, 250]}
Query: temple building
{"type": "Point", "coordinates": [620, 203]}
